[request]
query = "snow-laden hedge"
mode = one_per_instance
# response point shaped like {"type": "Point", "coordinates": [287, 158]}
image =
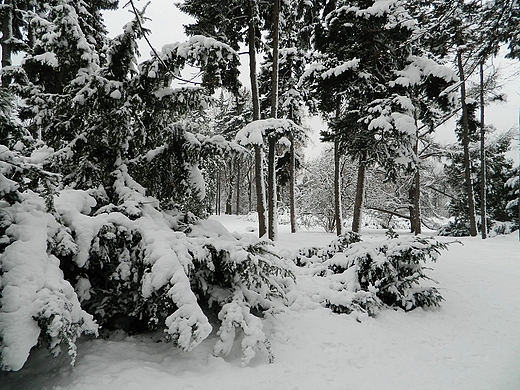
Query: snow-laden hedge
{"type": "Point", "coordinates": [132, 267]}
{"type": "Point", "coordinates": [36, 302]}
{"type": "Point", "coordinates": [366, 275]}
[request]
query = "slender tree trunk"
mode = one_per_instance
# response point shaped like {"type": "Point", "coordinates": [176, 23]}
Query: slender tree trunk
{"type": "Point", "coordinates": [292, 201]}
{"type": "Point", "coordinates": [7, 34]}
{"type": "Point", "coordinates": [274, 77]}
{"type": "Point", "coordinates": [360, 194]}
{"type": "Point", "coordinates": [250, 189]}
{"type": "Point", "coordinates": [415, 192]}
{"type": "Point", "coordinates": [217, 194]}
{"type": "Point", "coordinates": [230, 185]}
{"type": "Point", "coordinates": [338, 212]}
{"type": "Point", "coordinates": [338, 202]}
{"type": "Point", "coordinates": [260, 190]}
{"type": "Point", "coordinates": [239, 164]}
{"type": "Point", "coordinates": [239, 109]}
{"type": "Point", "coordinates": [417, 202]}
{"type": "Point", "coordinates": [271, 190]}
{"type": "Point", "coordinates": [271, 163]}
{"type": "Point", "coordinates": [259, 153]}
{"type": "Point", "coordinates": [483, 179]}
{"type": "Point", "coordinates": [465, 145]}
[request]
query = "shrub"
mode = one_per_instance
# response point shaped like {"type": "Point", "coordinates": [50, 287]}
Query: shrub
{"type": "Point", "coordinates": [316, 254]}
{"type": "Point", "coordinates": [131, 267]}
{"type": "Point", "coordinates": [37, 305]}
{"type": "Point", "coordinates": [365, 275]}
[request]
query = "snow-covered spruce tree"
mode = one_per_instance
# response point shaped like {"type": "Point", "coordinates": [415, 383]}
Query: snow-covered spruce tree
{"type": "Point", "coordinates": [113, 125]}
{"type": "Point", "coordinates": [229, 185]}
{"type": "Point", "coordinates": [365, 275]}
{"type": "Point", "coordinates": [377, 119]}
{"type": "Point", "coordinates": [227, 21]}
{"type": "Point", "coordinates": [290, 43]}
{"type": "Point", "coordinates": [455, 29]}
{"type": "Point", "coordinates": [499, 172]}
{"type": "Point", "coordinates": [37, 305]}
{"type": "Point", "coordinates": [423, 96]}
{"type": "Point", "coordinates": [352, 75]}
{"type": "Point", "coordinates": [13, 29]}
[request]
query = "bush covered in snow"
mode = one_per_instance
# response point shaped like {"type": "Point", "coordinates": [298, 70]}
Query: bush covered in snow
{"type": "Point", "coordinates": [130, 267]}
{"type": "Point", "coordinates": [365, 275]}
{"type": "Point", "coordinates": [318, 255]}
{"type": "Point", "coordinates": [37, 305]}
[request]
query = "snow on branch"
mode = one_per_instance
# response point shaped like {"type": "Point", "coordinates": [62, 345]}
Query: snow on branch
{"type": "Point", "coordinates": [393, 10]}
{"type": "Point", "coordinates": [254, 132]}
{"type": "Point", "coordinates": [165, 256]}
{"type": "Point", "coordinates": [35, 297]}
{"type": "Point", "coordinates": [314, 69]}
{"type": "Point", "coordinates": [338, 70]}
{"type": "Point", "coordinates": [421, 68]}
{"type": "Point", "coordinates": [197, 50]}
{"type": "Point", "coordinates": [165, 253]}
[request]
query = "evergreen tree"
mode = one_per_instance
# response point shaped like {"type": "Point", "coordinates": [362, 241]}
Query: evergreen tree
{"type": "Point", "coordinates": [226, 21]}
{"type": "Point", "coordinates": [14, 27]}
{"type": "Point", "coordinates": [352, 80]}
{"type": "Point", "coordinates": [111, 229]}
{"type": "Point", "coordinates": [455, 28]}
{"type": "Point", "coordinates": [424, 86]}
{"type": "Point", "coordinates": [499, 24]}
{"type": "Point", "coordinates": [296, 20]}
{"type": "Point", "coordinates": [499, 171]}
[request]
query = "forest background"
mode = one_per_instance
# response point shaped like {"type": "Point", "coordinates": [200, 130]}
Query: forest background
{"type": "Point", "coordinates": [111, 162]}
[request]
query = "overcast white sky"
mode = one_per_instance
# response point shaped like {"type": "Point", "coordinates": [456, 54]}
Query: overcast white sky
{"type": "Point", "coordinates": [167, 27]}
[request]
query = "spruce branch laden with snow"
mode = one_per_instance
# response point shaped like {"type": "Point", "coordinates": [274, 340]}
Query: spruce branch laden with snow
{"type": "Point", "coordinates": [364, 276]}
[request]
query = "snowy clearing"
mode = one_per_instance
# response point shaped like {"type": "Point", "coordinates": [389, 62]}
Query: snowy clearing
{"type": "Point", "coordinates": [471, 342]}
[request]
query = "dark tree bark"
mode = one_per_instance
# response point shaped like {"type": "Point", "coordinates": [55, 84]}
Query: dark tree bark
{"type": "Point", "coordinates": [360, 194]}
{"type": "Point", "coordinates": [271, 191]}
{"type": "Point", "coordinates": [415, 193]}
{"type": "Point", "coordinates": [259, 154]}
{"type": "Point", "coordinates": [7, 35]}
{"type": "Point", "coordinates": [271, 163]}
{"type": "Point", "coordinates": [465, 145]}
{"type": "Point", "coordinates": [217, 194]}
{"type": "Point", "coordinates": [483, 179]}
{"type": "Point", "coordinates": [292, 200]}
{"type": "Point", "coordinates": [415, 208]}
{"type": "Point", "coordinates": [230, 186]}
{"type": "Point", "coordinates": [338, 212]}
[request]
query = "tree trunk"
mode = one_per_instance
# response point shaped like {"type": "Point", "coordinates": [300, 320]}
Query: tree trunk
{"type": "Point", "coordinates": [416, 216]}
{"type": "Point", "coordinates": [250, 189]}
{"type": "Point", "coordinates": [260, 190]}
{"type": "Point", "coordinates": [415, 192]}
{"type": "Point", "coordinates": [465, 145]}
{"type": "Point", "coordinates": [259, 154]}
{"type": "Point", "coordinates": [7, 34]}
{"type": "Point", "coordinates": [338, 212]}
{"type": "Point", "coordinates": [360, 194]}
{"type": "Point", "coordinates": [271, 163]}
{"type": "Point", "coordinates": [483, 195]}
{"type": "Point", "coordinates": [217, 194]}
{"type": "Point", "coordinates": [271, 199]}
{"type": "Point", "coordinates": [239, 163]}
{"type": "Point", "coordinates": [230, 185]}
{"type": "Point", "coordinates": [292, 204]}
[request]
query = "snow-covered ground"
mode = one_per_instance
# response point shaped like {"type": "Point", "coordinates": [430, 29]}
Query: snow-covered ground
{"type": "Point", "coordinates": [472, 342]}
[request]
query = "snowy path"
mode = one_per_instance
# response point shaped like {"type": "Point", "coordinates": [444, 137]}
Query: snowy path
{"type": "Point", "coordinates": [472, 342]}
